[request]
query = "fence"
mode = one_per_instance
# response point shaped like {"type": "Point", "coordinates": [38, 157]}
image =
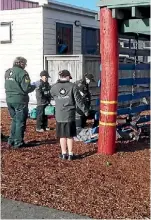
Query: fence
{"type": "Point", "coordinates": [80, 64]}
{"type": "Point", "coordinates": [131, 97]}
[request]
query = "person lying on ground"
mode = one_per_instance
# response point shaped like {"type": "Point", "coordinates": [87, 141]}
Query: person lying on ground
{"type": "Point", "coordinates": [132, 132]}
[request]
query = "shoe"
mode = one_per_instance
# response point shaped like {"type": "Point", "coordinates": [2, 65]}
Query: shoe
{"type": "Point", "coordinates": [63, 156]}
{"type": "Point", "coordinates": [21, 145]}
{"type": "Point", "coordinates": [40, 130]}
{"type": "Point", "coordinates": [137, 135]}
{"type": "Point", "coordinates": [71, 157]}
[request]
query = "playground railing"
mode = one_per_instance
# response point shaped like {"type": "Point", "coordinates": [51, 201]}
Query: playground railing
{"type": "Point", "coordinates": [144, 105]}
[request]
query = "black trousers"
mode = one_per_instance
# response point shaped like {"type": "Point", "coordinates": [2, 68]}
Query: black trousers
{"type": "Point", "coordinates": [82, 119]}
{"type": "Point", "coordinates": [42, 119]}
{"type": "Point", "coordinates": [19, 115]}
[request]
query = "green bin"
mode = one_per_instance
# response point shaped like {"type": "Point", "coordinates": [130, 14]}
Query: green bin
{"type": "Point", "coordinates": [50, 110]}
{"type": "Point", "coordinates": [33, 113]}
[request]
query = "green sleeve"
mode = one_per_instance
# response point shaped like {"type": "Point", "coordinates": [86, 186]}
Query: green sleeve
{"type": "Point", "coordinates": [26, 84]}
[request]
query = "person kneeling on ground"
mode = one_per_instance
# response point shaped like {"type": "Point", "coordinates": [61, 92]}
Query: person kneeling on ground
{"type": "Point", "coordinates": [43, 99]}
{"type": "Point", "coordinates": [67, 97]}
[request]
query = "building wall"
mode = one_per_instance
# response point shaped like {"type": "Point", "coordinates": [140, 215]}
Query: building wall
{"type": "Point", "coordinates": [52, 16]}
{"type": "Point", "coordinates": [16, 4]}
{"type": "Point", "coordinates": [27, 41]}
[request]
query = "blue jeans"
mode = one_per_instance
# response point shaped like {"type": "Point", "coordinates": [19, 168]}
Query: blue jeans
{"type": "Point", "coordinates": [19, 115]}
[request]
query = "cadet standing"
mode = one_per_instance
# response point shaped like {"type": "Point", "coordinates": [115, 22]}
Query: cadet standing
{"type": "Point", "coordinates": [67, 97]}
{"type": "Point", "coordinates": [17, 87]}
{"type": "Point", "coordinates": [83, 86]}
{"type": "Point", "coordinates": [43, 99]}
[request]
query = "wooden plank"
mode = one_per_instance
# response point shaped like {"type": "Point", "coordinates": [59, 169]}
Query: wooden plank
{"type": "Point", "coordinates": [141, 81]}
{"type": "Point", "coordinates": [124, 111]}
{"type": "Point", "coordinates": [129, 97]}
{"type": "Point", "coordinates": [133, 52]}
{"type": "Point", "coordinates": [134, 67]}
{"type": "Point", "coordinates": [131, 81]}
{"type": "Point", "coordinates": [137, 95]}
{"type": "Point", "coordinates": [130, 66]}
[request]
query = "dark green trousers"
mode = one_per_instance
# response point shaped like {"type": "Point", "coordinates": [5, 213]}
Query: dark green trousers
{"type": "Point", "coordinates": [19, 115]}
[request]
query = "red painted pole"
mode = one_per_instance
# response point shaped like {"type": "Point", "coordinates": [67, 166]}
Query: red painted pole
{"type": "Point", "coordinates": [109, 82]}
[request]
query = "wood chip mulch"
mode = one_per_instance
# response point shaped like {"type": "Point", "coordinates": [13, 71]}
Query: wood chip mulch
{"type": "Point", "coordinates": [98, 186]}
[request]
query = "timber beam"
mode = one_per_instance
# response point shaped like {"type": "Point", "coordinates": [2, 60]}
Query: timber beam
{"type": "Point", "coordinates": [135, 25]}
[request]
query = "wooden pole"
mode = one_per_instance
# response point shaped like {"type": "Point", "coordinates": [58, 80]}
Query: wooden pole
{"type": "Point", "coordinates": [109, 82]}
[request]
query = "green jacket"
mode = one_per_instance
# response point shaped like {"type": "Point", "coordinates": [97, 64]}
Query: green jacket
{"type": "Point", "coordinates": [17, 85]}
{"type": "Point", "coordinates": [67, 97]}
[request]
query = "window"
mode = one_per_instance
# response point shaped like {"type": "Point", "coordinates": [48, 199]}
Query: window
{"type": "Point", "coordinates": [5, 32]}
{"type": "Point", "coordinates": [64, 38]}
{"type": "Point", "coordinates": [90, 41]}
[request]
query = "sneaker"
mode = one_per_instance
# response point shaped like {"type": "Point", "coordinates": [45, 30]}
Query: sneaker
{"type": "Point", "coordinates": [63, 156]}
{"type": "Point", "coordinates": [40, 130]}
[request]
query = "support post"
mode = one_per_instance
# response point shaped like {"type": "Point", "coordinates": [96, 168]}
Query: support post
{"type": "Point", "coordinates": [109, 82]}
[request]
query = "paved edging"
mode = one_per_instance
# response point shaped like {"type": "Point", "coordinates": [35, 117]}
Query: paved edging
{"type": "Point", "coordinates": [11, 209]}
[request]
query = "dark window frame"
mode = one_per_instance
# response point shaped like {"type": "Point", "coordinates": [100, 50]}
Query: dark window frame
{"type": "Point", "coordinates": [61, 26]}
{"type": "Point", "coordinates": [10, 31]}
{"type": "Point", "coordinates": [97, 42]}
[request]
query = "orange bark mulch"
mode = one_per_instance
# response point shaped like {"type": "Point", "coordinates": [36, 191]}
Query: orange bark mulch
{"type": "Point", "coordinates": [98, 186]}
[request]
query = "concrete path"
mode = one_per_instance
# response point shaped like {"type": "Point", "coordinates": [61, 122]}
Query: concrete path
{"type": "Point", "coordinates": [11, 209]}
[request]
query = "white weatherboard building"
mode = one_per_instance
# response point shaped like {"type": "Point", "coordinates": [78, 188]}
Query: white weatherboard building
{"type": "Point", "coordinates": [44, 30]}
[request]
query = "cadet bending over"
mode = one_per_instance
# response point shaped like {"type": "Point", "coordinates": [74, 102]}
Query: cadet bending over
{"type": "Point", "coordinates": [83, 86]}
{"type": "Point", "coordinates": [67, 97]}
{"type": "Point", "coordinates": [17, 87]}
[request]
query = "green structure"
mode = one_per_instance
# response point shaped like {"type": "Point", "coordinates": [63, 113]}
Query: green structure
{"type": "Point", "coordinates": [133, 16]}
